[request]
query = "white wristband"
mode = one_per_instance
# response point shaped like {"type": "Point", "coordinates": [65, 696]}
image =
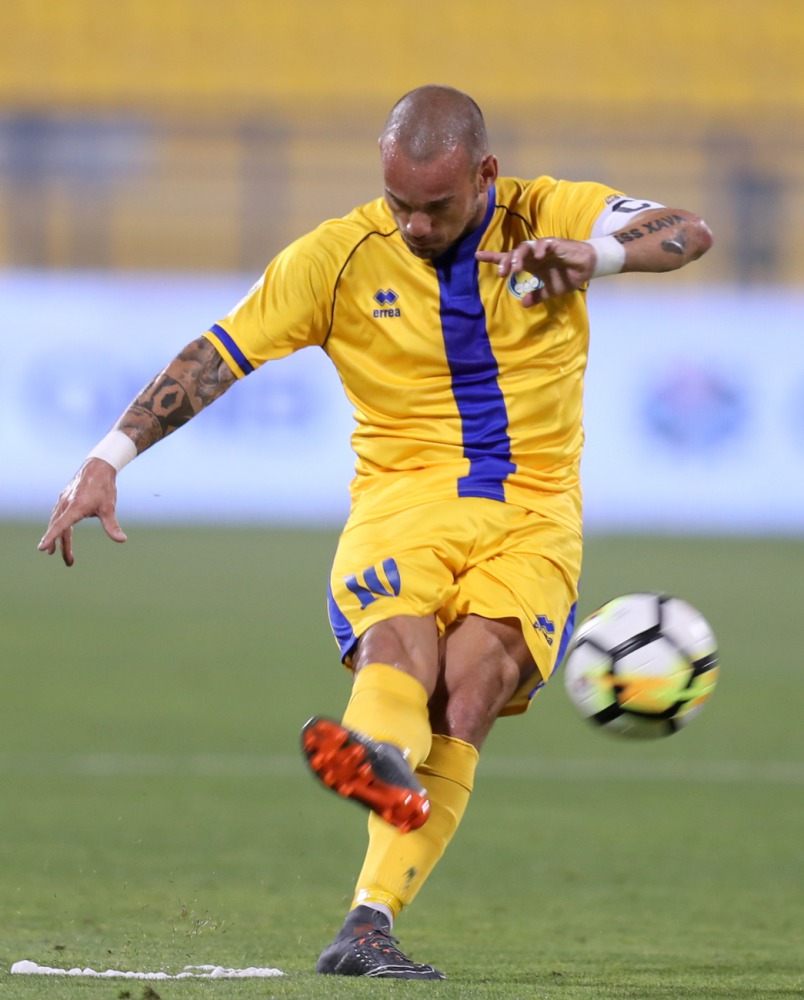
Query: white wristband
{"type": "Point", "coordinates": [610, 255]}
{"type": "Point", "coordinates": [116, 448]}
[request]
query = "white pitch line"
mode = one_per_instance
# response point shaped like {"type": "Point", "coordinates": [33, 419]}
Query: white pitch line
{"type": "Point", "coordinates": [28, 968]}
{"type": "Point", "coordinates": [245, 766]}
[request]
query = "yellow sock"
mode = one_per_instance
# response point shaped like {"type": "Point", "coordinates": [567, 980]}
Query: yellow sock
{"type": "Point", "coordinates": [398, 864]}
{"type": "Point", "coordinates": [388, 704]}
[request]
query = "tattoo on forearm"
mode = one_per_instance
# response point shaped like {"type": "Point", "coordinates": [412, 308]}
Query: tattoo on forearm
{"type": "Point", "coordinates": [655, 225]}
{"type": "Point", "coordinates": [678, 244]}
{"type": "Point", "coordinates": [166, 402]}
{"type": "Point", "coordinates": [189, 383]}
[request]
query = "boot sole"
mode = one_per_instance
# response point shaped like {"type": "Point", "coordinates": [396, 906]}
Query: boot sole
{"type": "Point", "coordinates": [343, 763]}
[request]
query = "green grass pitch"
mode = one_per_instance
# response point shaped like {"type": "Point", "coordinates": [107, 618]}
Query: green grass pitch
{"type": "Point", "coordinates": [156, 813]}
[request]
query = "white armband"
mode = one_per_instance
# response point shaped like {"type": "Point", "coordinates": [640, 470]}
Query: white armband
{"type": "Point", "coordinates": [116, 448]}
{"type": "Point", "coordinates": [610, 255]}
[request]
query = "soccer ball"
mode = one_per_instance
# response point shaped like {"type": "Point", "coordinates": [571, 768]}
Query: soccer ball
{"type": "Point", "coordinates": [642, 665]}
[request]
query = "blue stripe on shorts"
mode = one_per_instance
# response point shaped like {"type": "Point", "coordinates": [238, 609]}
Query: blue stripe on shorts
{"type": "Point", "coordinates": [341, 629]}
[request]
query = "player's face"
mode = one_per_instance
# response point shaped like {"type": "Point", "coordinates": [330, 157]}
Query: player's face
{"type": "Point", "coordinates": [436, 203]}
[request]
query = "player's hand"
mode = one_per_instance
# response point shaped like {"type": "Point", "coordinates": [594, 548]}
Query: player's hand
{"type": "Point", "coordinates": [91, 493]}
{"type": "Point", "coordinates": [561, 265]}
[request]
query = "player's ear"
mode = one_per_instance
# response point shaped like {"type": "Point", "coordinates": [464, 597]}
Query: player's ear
{"type": "Point", "coordinates": [487, 173]}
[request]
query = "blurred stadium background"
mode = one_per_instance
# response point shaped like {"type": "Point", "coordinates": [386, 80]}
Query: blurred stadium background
{"type": "Point", "coordinates": [154, 154]}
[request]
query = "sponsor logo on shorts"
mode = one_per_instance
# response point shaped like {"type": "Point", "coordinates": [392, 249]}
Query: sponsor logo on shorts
{"type": "Point", "coordinates": [386, 299]}
{"type": "Point", "coordinates": [546, 626]}
{"type": "Point", "coordinates": [367, 586]}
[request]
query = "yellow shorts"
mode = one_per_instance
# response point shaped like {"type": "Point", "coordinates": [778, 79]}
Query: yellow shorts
{"type": "Point", "coordinates": [452, 558]}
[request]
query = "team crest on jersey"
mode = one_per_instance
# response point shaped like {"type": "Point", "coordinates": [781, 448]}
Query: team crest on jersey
{"type": "Point", "coordinates": [386, 299]}
{"type": "Point", "coordinates": [522, 282]}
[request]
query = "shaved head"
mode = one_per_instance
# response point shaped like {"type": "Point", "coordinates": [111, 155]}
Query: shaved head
{"type": "Point", "coordinates": [436, 167]}
{"type": "Point", "coordinates": [433, 120]}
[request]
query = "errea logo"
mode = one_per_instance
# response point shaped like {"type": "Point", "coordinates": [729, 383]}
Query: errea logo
{"type": "Point", "coordinates": [546, 626]}
{"type": "Point", "coordinates": [522, 282]}
{"type": "Point", "coordinates": [386, 299]}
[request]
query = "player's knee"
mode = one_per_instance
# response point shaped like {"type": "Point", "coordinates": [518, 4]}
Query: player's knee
{"type": "Point", "coordinates": [484, 662]}
{"type": "Point", "coordinates": [476, 697]}
{"type": "Point", "coordinates": [468, 715]}
{"type": "Point", "coordinates": [405, 642]}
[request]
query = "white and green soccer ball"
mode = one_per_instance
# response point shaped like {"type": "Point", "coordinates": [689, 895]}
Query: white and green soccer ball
{"type": "Point", "coordinates": [643, 665]}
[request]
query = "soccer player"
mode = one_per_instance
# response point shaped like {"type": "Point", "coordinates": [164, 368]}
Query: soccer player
{"type": "Point", "coordinates": [454, 310]}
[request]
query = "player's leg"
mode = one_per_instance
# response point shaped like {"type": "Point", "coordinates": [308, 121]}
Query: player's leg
{"type": "Point", "coordinates": [389, 577]}
{"type": "Point", "coordinates": [397, 865]}
{"type": "Point", "coordinates": [372, 753]}
{"type": "Point", "coordinates": [483, 663]}
{"type": "Point", "coordinates": [509, 613]}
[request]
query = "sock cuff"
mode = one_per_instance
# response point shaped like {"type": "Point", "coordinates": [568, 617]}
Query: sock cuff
{"type": "Point", "coordinates": [451, 758]}
{"type": "Point", "coordinates": [379, 899]}
{"type": "Point", "coordinates": [395, 682]}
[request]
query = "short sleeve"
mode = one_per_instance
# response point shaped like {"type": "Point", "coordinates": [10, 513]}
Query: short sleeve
{"type": "Point", "coordinates": [288, 308]}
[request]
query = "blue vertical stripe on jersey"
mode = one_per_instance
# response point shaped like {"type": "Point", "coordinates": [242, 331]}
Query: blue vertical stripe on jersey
{"type": "Point", "coordinates": [480, 402]}
{"type": "Point", "coordinates": [240, 359]}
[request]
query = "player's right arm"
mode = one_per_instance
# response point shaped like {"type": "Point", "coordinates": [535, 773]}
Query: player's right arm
{"type": "Point", "coordinates": [194, 379]}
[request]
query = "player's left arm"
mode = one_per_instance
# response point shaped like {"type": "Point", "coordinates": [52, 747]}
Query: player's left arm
{"type": "Point", "coordinates": [193, 380]}
{"type": "Point", "coordinates": [661, 239]}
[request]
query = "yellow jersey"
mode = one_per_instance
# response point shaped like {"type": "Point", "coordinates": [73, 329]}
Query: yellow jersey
{"type": "Point", "coordinates": [457, 389]}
